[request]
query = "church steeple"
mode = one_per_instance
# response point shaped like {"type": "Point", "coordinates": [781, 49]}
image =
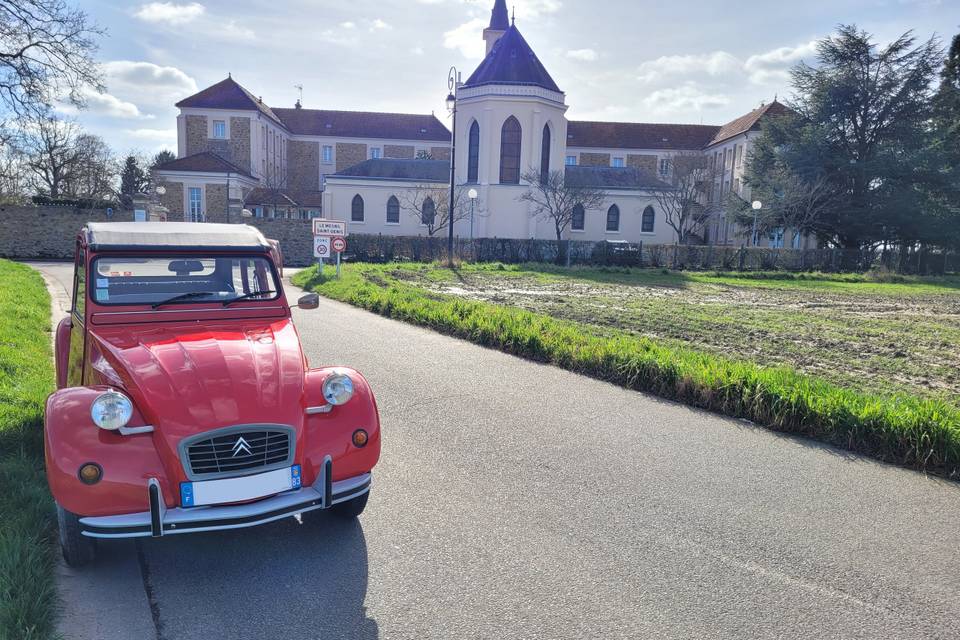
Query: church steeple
{"type": "Point", "coordinates": [499, 20]}
{"type": "Point", "coordinates": [499, 23]}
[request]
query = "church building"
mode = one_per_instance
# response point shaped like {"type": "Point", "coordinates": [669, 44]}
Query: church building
{"type": "Point", "coordinates": [384, 172]}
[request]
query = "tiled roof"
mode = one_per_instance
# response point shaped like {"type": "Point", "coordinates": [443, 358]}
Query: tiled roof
{"type": "Point", "coordinates": [750, 121]}
{"type": "Point", "coordinates": [612, 178]}
{"type": "Point", "coordinates": [227, 94]}
{"type": "Point", "coordinates": [512, 61]}
{"type": "Point", "coordinates": [284, 198]}
{"type": "Point", "coordinates": [389, 169]}
{"type": "Point", "coordinates": [639, 135]}
{"type": "Point", "coordinates": [363, 124]}
{"type": "Point", "coordinates": [203, 162]}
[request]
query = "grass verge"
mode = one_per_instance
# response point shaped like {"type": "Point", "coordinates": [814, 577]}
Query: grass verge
{"type": "Point", "coordinates": [915, 432]}
{"type": "Point", "coordinates": [28, 597]}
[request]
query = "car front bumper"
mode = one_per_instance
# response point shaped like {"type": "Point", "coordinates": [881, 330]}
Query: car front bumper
{"type": "Point", "coordinates": [160, 521]}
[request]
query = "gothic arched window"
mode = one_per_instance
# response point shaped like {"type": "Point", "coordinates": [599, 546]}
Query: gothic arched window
{"type": "Point", "coordinates": [613, 218]}
{"type": "Point", "coordinates": [577, 220]}
{"type": "Point", "coordinates": [393, 210]}
{"type": "Point", "coordinates": [428, 212]}
{"type": "Point", "coordinates": [473, 153]}
{"type": "Point", "coordinates": [356, 209]}
{"type": "Point", "coordinates": [545, 155]}
{"type": "Point", "coordinates": [646, 222]}
{"type": "Point", "coordinates": [510, 135]}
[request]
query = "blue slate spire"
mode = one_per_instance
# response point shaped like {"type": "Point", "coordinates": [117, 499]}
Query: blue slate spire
{"type": "Point", "coordinates": [499, 19]}
{"type": "Point", "coordinates": [512, 61]}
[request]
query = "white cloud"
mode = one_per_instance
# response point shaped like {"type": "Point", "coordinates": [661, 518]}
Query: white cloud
{"type": "Point", "coordinates": [146, 83]}
{"type": "Point", "coordinates": [773, 67]}
{"type": "Point", "coordinates": [379, 25]}
{"type": "Point", "coordinates": [467, 39]}
{"type": "Point", "coordinates": [586, 55]}
{"type": "Point", "coordinates": [232, 31]}
{"type": "Point", "coordinates": [537, 8]}
{"type": "Point", "coordinates": [684, 98]}
{"type": "Point", "coordinates": [154, 135]}
{"type": "Point", "coordinates": [170, 13]}
{"type": "Point", "coordinates": [417, 51]}
{"type": "Point", "coordinates": [716, 63]}
{"type": "Point", "coordinates": [348, 25]}
{"type": "Point", "coordinates": [104, 104]}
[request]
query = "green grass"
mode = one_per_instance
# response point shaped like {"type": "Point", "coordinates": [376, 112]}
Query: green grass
{"type": "Point", "coordinates": [27, 522]}
{"type": "Point", "coordinates": [917, 432]}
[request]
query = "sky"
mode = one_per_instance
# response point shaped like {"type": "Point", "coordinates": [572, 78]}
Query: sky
{"type": "Point", "coordinates": [682, 61]}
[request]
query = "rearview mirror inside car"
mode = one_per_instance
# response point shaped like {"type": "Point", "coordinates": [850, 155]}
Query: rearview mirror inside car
{"type": "Point", "coordinates": [185, 267]}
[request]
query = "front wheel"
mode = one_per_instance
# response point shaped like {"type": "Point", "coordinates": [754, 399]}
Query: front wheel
{"type": "Point", "coordinates": [78, 550]}
{"type": "Point", "coordinates": [352, 507]}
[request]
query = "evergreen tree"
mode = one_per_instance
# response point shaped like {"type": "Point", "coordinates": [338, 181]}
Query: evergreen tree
{"type": "Point", "coordinates": [133, 179]}
{"type": "Point", "coordinates": [161, 158]}
{"type": "Point", "coordinates": [862, 135]}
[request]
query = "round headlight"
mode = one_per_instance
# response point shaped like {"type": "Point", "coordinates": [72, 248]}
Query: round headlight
{"type": "Point", "coordinates": [337, 389]}
{"type": "Point", "coordinates": [111, 410]}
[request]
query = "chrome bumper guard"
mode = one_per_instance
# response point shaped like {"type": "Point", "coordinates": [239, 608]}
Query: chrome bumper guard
{"type": "Point", "coordinates": [160, 521]}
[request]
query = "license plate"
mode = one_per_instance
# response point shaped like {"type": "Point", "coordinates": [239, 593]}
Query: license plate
{"type": "Point", "coordinates": [195, 494]}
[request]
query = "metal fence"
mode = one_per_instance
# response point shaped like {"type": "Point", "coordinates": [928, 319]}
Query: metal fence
{"type": "Point", "coordinates": [928, 261]}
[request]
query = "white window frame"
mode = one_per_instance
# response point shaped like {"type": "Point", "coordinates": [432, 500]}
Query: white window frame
{"type": "Point", "coordinates": [198, 215]}
{"type": "Point", "coordinates": [376, 153]}
{"type": "Point", "coordinates": [664, 166]}
{"type": "Point", "coordinates": [775, 238]}
{"type": "Point", "coordinates": [797, 240]}
{"type": "Point", "coordinates": [326, 152]}
{"type": "Point", "coordinates": [570, 161]}
{"type": "Point", "coordinates": [619, 163]}
{"type": "Point", "coordinates": [213, 129]}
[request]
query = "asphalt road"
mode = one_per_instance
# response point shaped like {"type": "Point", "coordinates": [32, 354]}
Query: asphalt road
{"type": "Point", "coordinates": [516, 500]}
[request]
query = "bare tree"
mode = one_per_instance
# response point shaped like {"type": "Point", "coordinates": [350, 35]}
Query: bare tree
{"type": "Point", "coordinates": [791, 202]}
{"type": "Point", "coordinates": [688, 201]}
{"type": "Point", "coordinates": [274, 182]}
{"type": "Point", "coordinates": [552, 197]}
{"type": "Point", "coordinates": [49, 145]}
{"type": "Point", "coordinates": [14, 175]}
{"type": "Point", "coordinates": [430, 205]}
{"type": "Point", "coordinates": [46, 55]}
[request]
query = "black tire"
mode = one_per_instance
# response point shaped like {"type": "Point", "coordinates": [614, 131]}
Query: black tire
{"type": "Point", "coordinates": [78, 550]}
{"type": "Point", "coordinates": [352, 507]}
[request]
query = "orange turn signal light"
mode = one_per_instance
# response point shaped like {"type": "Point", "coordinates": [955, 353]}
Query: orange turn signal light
{"type": "Point", "coordinates": [360, 438]}
{"type": "Point", "coordinates": [90, 473]}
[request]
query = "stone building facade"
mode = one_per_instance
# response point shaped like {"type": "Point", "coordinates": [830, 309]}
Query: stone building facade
{"type": "Point", "coordinates": [235, 152]}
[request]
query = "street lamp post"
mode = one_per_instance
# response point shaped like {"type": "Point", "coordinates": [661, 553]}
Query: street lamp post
{"type": "Point", "coordinates": [757, 205]}
{"type": "Point", "coordinates": [472, 194]}
{"type": "Point", "coordinates": [453, 82]}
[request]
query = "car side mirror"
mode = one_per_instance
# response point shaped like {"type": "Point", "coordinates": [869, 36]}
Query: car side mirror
{"type": "Point", "coordinates": [309, 301]}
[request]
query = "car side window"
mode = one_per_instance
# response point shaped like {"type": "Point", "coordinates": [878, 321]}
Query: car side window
{"type": "Point", "coordinates": [80, 285]}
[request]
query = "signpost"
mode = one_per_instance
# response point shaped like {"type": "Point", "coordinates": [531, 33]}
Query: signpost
{"type": "Point", "coordinates": [328, 237]}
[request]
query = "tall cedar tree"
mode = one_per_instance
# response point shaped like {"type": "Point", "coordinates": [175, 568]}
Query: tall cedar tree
{"type": "Point", "coordinates": [861, 134]}
{"type": "Point", "coordinates": [133, 179]}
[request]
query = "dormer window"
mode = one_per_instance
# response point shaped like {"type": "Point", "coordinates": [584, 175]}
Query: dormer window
{"type": "Point", "coordinates": [328, 126]}
{"type": "Point", "coordinates": [220, 129]}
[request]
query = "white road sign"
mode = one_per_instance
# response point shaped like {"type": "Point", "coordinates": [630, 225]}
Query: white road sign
{"type": "Point", "coordinates": [324, 227]}
{"type": "Point", "coordinates": [321, 246]}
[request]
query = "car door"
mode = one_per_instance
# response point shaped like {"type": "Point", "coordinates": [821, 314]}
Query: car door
{"type": "Point", "coordinates": [78, 332]}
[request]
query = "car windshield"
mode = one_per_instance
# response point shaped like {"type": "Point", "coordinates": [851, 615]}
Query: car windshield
{"type": "Point", "coordinates": [182, 280]}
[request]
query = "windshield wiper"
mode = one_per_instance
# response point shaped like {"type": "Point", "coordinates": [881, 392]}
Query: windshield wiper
{"type": "Point", "coordinates": [184, 296]}
{"type": "Point", "coordinates": [247, 295]}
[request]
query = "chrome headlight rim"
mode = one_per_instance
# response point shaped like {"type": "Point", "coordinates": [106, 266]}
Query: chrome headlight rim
{"type": "Point", "coordinates": [337, 388]}
{"type": "Point", "coordinates": [111, 410]}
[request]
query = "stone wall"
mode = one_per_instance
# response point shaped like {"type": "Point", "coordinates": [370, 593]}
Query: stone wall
{"type": "Point", "coordinates": [645, 162]}
{"type": "Point", "coordinates": [349, 154]}
{"type": "Point", "coordinates": [303, 165]}
{"type": "Point", "coordinates": [240, 142]}
{"type": "Point", "coordinates": [440, 153]}
{"type": "Point", "coordinates": [588, 159]}
{"type": "Point", "coordinates": [173, 200]}
{"type": "Point", "coordinates": [216, 195]}
{"type": "Point", "coordinates": [399, 151]}
{"type": "Point", "coordinates": [47, 233]}
{"type": "Point", "coordinates": [196, 140]}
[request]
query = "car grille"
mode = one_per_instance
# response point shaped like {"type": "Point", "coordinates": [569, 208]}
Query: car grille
{"type": "Point", "coordinates": [238, 451]}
